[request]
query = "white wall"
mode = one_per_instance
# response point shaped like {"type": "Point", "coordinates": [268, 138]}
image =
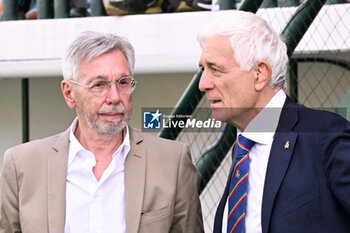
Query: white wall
{"type": "Point", "coordinates": [164, 43]}
{"type": "Point", "coordinates": [48, 112]}
{"type": "Point", "coordinates": [10, 113]}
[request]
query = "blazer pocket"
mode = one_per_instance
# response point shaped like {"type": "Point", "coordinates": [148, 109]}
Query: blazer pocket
{"type": "Point", "coordinates": [155, 215]}
{"type": "Point", "coordinates": [301, 200]}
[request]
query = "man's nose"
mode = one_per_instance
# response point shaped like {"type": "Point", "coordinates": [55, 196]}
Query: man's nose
{"type": "Point", "coordinates": [113, 95]}
{"type": "Point", "coordinates": [205, 83]}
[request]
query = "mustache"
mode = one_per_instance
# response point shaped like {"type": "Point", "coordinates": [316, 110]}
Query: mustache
{"type": "Point", "coordinates": [113, 110]}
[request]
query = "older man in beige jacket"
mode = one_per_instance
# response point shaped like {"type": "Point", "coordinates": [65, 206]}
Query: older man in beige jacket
{"type": "Point", "coordinates": [100, 175]}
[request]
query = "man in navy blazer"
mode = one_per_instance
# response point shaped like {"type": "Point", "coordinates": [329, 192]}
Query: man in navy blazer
{"type": "Point", "coordinates": [299, 166]}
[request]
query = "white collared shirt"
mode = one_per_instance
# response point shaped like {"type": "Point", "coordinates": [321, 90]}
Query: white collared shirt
{"type": "Point", "coordinates": [95, 206]}
{"type": "Point", "coordinates": [261, 130]}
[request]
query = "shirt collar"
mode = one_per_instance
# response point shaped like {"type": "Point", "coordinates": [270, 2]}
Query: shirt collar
{"type": "Point", "coordinates": [75, 147]}
{"type": "Point", "coordinates": [263, 126]}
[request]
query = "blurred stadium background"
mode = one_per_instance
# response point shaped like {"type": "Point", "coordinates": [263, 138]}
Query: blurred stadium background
{"type": "Point", "coordinates": [31, 105]}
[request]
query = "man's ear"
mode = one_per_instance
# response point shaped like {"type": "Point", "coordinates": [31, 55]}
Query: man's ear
{"type": "Point", "coordinates": [262, 74]}
{"type": "Point", "coordinates": [68, 94]}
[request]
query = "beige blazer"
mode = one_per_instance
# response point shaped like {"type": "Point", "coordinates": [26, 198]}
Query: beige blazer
{"type": "Point", "coordinates": [160, 187]}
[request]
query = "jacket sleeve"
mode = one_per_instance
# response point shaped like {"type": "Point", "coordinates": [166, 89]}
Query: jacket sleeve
{"type": "Point", "coordinates": [9, 212]}
{"type": "Point", "coordinates": [336, 146]}
{"type": "Point", "coordinates": [187, 210]}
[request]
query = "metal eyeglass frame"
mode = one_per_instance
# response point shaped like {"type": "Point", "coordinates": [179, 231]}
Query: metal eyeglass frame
{"type": "Point", "coordinates": [133, 85]}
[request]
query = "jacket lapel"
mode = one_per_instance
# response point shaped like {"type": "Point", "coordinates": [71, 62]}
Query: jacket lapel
{"type": "Point", "coordinates": [280, 156]}
{"type": "Point", "coordinates": [56, 176]}
{"type": "Point", "coordinates": [135, 173]}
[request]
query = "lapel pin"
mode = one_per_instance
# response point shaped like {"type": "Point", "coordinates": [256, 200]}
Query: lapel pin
{"type": "Point", "coordinates": [238, 174]}
{"type": "Point", "coordinates": [286, 145]}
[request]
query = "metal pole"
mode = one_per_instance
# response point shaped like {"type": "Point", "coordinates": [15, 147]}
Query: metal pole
{"type": "Point", "coordinates": [61, 8]}
{"type": "Point", "coordinates": [293, 80]}
{"type": "Point", "coordinates": [188, 103]}
{"type": "Point", "coordinates": [269, 4]}
{"type": "Point", "coordinates": [211, 159]}
{"type": "Point", "coordinates": [250, 5]}
{"type": "Point", "coordinates": [97, 8]}
{"type": "Point", "coordinates": [300, 22]}
{"type": "Point", "coordinates": [10, 13]}
{"type": "Point", "coordinates": [291, 3]}
{"type": "Point", "coordinates": [341, 63]}
{"type": "Point", "coordinates": [25, 110]}
{"type": "Point", "coordinates": [227, 4]}
{"type": "Point", "coordinates": [336, 1]}
{"type": "Point", "coordinates": [9, 10]}
{"type": "Point", "coordinates": [45, 9]}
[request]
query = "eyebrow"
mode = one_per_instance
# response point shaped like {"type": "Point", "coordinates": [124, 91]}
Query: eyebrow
{"type": "Point", "coordinates": [106, 78]}
{"type": "Point", "coordinates": [211, 64]}
{"type": "Point", "coordinates": [98, 77]}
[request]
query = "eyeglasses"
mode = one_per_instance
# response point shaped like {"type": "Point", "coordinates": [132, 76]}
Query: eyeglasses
{"type": "Point", "coordinates": [101, 87]}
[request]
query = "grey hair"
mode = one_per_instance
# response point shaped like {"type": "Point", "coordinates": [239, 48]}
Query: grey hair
{"type": "Point", "coordinates": [90, 45]}
{"type": "Point", "coordinates": [252, 40]}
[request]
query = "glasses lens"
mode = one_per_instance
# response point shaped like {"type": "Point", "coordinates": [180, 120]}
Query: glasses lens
{"type": "Point", "coordinates": [99, 87]}
{"type": "Point", "coordinates": [126, 85]}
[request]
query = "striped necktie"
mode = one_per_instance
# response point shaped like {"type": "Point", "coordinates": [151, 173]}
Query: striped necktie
{"type": "Point", "coordinates": [237, 199]}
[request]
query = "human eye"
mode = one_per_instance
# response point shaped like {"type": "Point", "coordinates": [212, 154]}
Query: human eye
{"type": "Point", "coordinates": [124, 82]}
{"type": "Point", "coordinates": [98, 84]}
{"type": "Point", "coordinates": [216, 70]}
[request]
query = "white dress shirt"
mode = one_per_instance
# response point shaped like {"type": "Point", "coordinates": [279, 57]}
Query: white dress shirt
{"type": "Point", "coordinates": [261, 130]}
{"type": "Point", "coordinates": [95, 206]}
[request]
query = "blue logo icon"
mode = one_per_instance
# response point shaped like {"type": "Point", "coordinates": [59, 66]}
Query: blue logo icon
{"type": "Point", "coordinates": [151, 120]}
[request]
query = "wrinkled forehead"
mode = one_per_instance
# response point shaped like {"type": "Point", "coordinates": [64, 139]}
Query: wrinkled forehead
{"type": "Point", "coordinates": [110, 66]}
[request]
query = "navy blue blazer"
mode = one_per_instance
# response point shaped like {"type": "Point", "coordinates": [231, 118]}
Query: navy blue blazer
{"type": "Point", "coordinates": [307, 184]}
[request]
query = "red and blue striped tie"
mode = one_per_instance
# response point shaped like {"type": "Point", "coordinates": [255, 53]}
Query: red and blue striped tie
{"type": "Point", "coordinates": [237, 199]}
